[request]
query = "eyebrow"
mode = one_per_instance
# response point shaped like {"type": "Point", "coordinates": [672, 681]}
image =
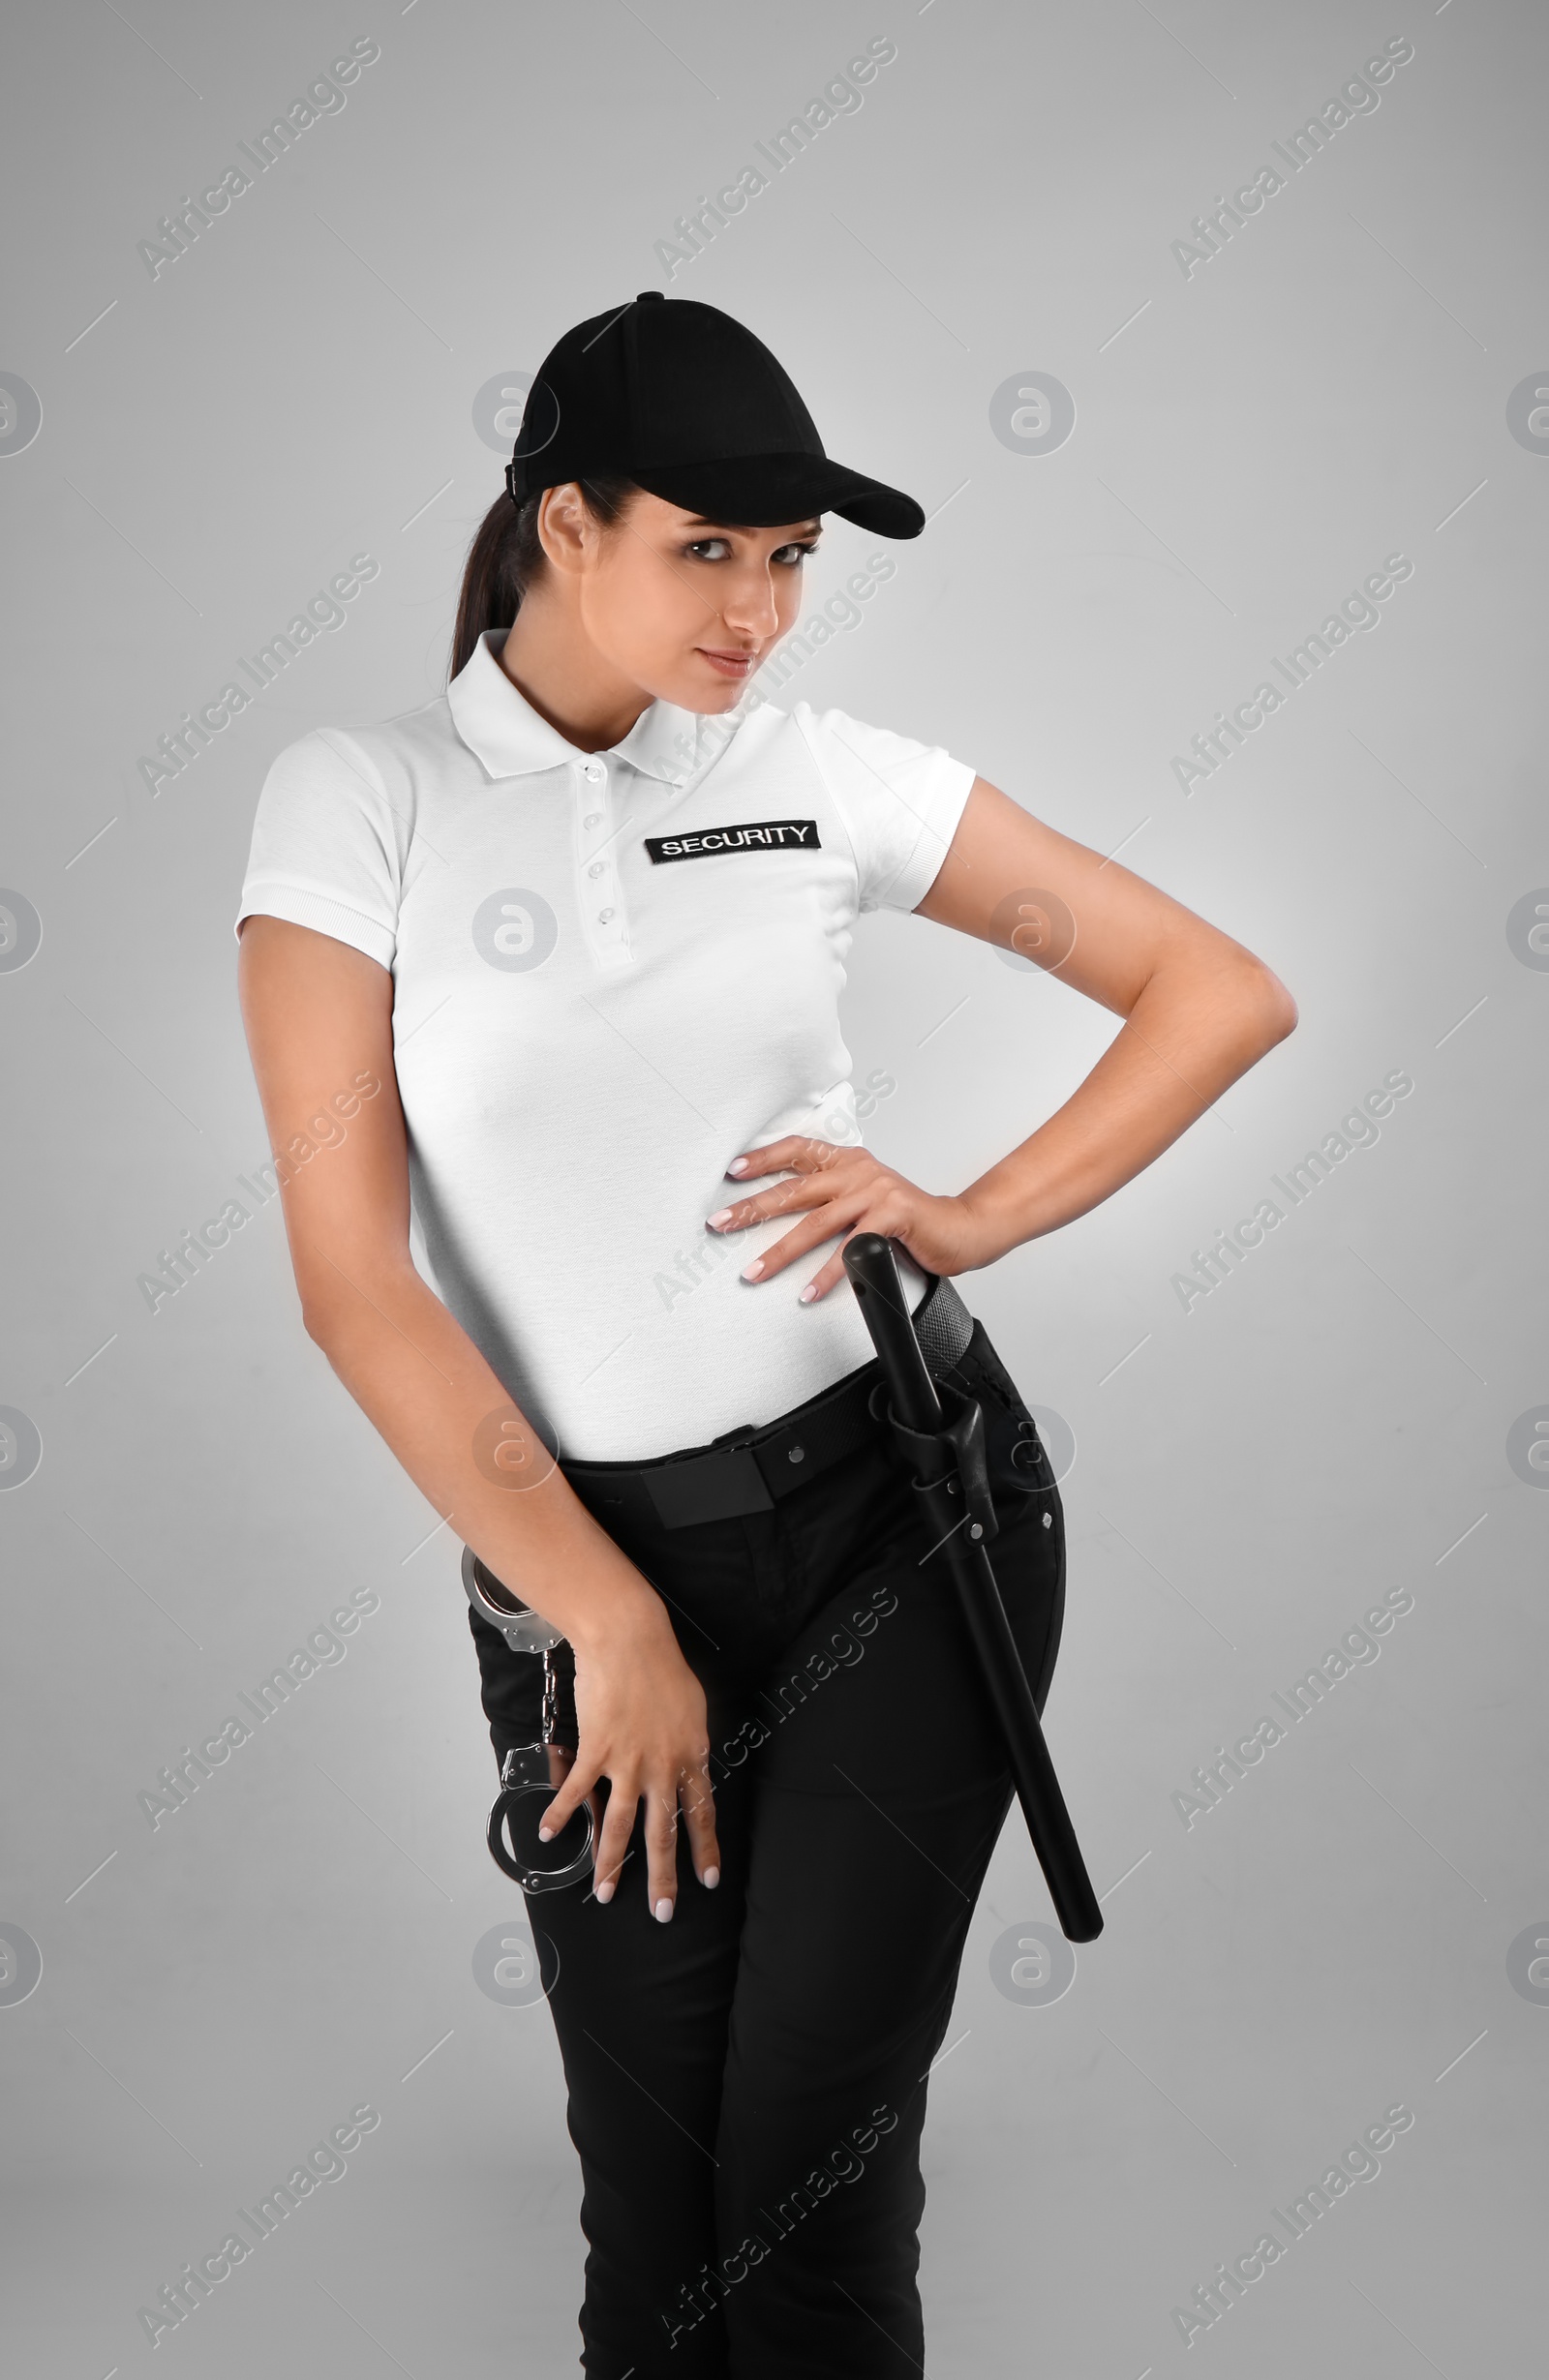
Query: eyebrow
{"type": "Point", "coordinates": [700, 520]}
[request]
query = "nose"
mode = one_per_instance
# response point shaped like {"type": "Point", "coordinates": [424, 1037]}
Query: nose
{"type": "Point", "coordinates": [749, 608]}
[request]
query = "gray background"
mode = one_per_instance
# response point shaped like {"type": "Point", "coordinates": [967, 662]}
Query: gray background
{"type": "Point", "coordinates": [1249, 1476]}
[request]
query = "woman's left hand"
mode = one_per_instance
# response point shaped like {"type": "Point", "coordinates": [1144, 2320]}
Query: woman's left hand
{"type": "Point", "coordinates": [847, 1189]}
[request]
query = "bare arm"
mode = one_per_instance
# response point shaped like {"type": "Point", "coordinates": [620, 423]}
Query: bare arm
{"type": "Point", "coordinates": [319, 1018]}
{"type": "Point", "coordinates": [1199, 1010]}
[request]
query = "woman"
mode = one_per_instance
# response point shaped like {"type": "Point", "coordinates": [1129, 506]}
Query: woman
{"type": "Point", "coordinates": [582, 919]}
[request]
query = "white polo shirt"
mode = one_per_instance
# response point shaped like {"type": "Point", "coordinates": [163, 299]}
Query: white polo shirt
{"type": "Point", "coordinates": [612, 971]}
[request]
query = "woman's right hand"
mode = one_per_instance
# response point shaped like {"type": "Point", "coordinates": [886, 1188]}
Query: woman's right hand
{"type": "Point", "coordinates": [642, 1724]}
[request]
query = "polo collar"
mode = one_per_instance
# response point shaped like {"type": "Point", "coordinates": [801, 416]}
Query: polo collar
{"type": "Point", "coordinates": [510, 738]}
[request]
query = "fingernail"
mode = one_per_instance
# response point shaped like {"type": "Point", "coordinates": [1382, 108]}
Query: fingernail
{"type": "Point", "coordinates": [807, 1294]}
{"type": "Point", "coordinates": [664, 1910]}
{"type": "Point", "coordinates": [604, 1891]}
{"type": "Point", "coordinates": [738, 1165]}
{"type": "Point", "coordinates": [722, 1215]}
{"type": "Point", "coordinates": [751, 1272]}
{"type": "Point", "coordinates": [712, 1877]}
{"type": "Point", "coordinates": [545, 1834]}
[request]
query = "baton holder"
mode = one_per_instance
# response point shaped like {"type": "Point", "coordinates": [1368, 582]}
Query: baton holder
{"type": "Point", "coordinates": [949, 1467]}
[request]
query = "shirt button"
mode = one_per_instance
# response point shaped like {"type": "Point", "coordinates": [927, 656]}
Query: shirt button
{"type": "Point", "coordinates": [595, 869]}
{"type": "Point", "coordinates": [595, 820]}
{"type": "Point", "coordinates": [603, 915]}
{"type": "Point", "coordinates": [596, 773]}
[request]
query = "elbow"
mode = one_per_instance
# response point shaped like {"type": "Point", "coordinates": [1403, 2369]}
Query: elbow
{"type": "Point", "coordinates": [319, 1320]}
{"type": "Point", "coordinates": [1269, 1012]}
{"type": "Point", "coordinates": [340, 1304]}
{"type": "Point", "coordinates": [321, 1307]}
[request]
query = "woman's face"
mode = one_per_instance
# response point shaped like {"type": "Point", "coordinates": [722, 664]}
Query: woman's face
{"type": "Point", "coordinates": [686, 608]}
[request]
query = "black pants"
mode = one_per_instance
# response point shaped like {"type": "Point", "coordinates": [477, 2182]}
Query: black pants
{"type": "Point", "coordinates": [747, 2082]}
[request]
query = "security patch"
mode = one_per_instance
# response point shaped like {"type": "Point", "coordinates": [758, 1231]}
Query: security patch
{"type": "Point", "coordinates": [769, 835]}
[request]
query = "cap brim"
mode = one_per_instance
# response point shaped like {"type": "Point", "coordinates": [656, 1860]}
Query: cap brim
{"type": "Point", "coordinates": [766, 491]}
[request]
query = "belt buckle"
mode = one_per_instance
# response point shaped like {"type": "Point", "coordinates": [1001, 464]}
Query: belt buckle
{"type": "Point", "coordinates": [718, 1486]}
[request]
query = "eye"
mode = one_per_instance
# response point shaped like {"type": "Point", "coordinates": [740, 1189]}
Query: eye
{"type": "Point", "coordinates": [716, 549]}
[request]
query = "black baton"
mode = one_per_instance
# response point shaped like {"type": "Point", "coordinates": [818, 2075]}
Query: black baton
{"type": "Point", "coordinates": [943, 1435]}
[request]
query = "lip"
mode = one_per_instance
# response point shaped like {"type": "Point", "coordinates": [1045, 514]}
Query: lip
{"type": "Point", "coordinates": [730, 664]}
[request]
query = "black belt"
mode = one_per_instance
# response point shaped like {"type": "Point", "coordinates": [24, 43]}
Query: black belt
{"type": "Point", "coordinates": [747, 1470]}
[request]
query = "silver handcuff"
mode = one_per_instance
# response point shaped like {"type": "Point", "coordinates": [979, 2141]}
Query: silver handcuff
{"type": "Point", "coordinates": [530, 1774]}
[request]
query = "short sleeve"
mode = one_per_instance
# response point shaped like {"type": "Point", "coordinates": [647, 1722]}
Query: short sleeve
{"type": "Point", "coordinates": [900, 800]}
{"type": "Point", "coordinates": [324, 852]}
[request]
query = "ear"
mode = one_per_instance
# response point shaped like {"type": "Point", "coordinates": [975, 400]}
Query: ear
{"type": "Point", "coordinates": [566, 530]}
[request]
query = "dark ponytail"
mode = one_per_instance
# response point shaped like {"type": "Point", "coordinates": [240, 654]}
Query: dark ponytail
{"type": "Point", "coordinates": [506, 556]}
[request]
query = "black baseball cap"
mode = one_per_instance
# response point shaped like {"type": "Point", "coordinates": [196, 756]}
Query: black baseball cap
{"type": "Point", "coordinates": [685, 402]}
